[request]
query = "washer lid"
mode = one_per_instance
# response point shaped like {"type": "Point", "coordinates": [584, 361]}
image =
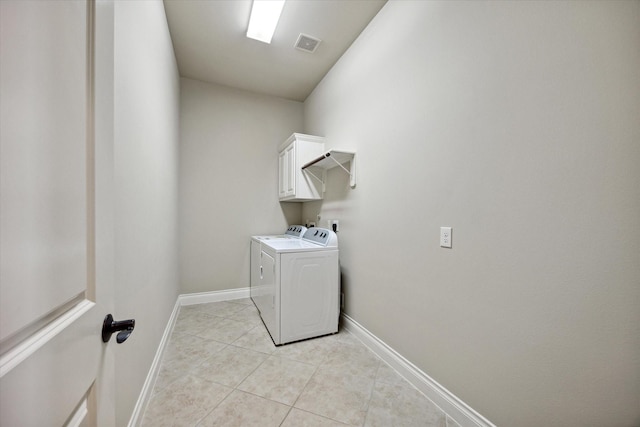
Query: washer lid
{"type": "Point", "coordinates": [293, 232]}
{"type": "Point", "coordinates": [275, 237]}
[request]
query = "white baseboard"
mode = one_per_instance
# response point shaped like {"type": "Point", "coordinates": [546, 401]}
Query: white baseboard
{"type": "Point", "coordinates": [447, 401]}
{"type": "Point", "coordinates": [215, 296]}
{"type": "Point", "coordinates": [150, 382]}
{"type": "Point", "coordinates": [183, 299]}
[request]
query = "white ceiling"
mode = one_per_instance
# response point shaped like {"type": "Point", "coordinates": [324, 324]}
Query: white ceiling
{"type": "Point", "coordinates": [210, 43]}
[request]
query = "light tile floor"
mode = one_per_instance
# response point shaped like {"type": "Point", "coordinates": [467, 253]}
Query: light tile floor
{"type": "Point", "coordinates": [220, 368]}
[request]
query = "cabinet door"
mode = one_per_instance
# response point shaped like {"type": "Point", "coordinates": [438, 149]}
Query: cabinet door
{"type": "Point", "coordinates": [282, 171]}
{"type": "Point", "coordinates": [287, 171]}
{"type": "Point", "coordinates": [290, 170]}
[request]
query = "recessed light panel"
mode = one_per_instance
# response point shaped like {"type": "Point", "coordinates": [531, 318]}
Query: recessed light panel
{"type": "Point", "coordinates": [264, 19]}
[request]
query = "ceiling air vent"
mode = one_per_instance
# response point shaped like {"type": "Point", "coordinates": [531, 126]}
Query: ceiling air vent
{"type": "Point", "coordinates": [307, 43]}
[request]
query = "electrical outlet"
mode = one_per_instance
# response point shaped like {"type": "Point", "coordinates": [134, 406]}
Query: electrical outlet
{"type": "Point", "coordinates": [445, 237]}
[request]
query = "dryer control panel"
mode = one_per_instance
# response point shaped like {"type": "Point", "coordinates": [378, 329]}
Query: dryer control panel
{"type": "Point", "coordinates": [296, 230]}
{"type": "Point", "coordinates": [321, 236]}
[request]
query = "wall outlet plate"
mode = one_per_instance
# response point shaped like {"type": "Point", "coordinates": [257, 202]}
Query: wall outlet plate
{"type": "Point", "coordinates": [445, 237]}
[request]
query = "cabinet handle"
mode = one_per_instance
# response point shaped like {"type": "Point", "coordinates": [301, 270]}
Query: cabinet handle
{"type": "Point", "coordinates": [261, 272]}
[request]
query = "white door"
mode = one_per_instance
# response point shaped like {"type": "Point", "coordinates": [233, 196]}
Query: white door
{"type": "Point", "coordinates": [55, 251]}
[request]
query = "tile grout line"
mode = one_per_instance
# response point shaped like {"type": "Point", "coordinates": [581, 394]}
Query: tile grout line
{"type": "Point", "coordinates": [324, 351]}
{"type": "Point", "coordinates": [232, 388]}
{"type": "Point", "coordinates": [213, 409]}
{"type": "Point", "coordinates": [235, 388]}
{"type": "Point", "coordinates": [373, 386]}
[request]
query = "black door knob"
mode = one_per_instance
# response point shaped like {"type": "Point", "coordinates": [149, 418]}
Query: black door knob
{"type": "Point", "coordinates": [109, 326]}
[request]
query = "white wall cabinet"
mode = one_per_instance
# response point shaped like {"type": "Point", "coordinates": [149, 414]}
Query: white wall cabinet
{"type": "Point", "coordinates": [295, 185]}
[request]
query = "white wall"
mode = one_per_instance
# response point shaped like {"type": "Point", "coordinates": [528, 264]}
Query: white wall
{"type": "Point", "coordinates": [228, 180]}
{"type": "Point", "coordinates": [516, 123]}
{"type": "Point", "coordinates": [146, 132]}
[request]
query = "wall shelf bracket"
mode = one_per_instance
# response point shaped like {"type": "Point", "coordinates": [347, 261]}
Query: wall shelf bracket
{"type": "Point", "coordinates": [322, 180]}
{"type": "Point", "coordinates": [332, 159]}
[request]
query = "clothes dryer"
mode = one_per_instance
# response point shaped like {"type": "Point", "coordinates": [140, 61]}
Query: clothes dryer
{"type": "Point", "coordinates": [299, 287]}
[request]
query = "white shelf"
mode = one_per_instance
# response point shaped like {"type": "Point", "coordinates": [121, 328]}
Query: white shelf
{"type": "Point", "coordinates": [332, 159]}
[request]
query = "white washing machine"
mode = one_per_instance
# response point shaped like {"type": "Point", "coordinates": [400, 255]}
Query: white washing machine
{"type": "Point", "coordinates": [299, 287]}
{"type": "Point", "coordinates": [292, 232]}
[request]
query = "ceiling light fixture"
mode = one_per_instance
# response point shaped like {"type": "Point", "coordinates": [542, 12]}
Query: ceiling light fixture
{"type": "Point", "coordinates": [264, 19]}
